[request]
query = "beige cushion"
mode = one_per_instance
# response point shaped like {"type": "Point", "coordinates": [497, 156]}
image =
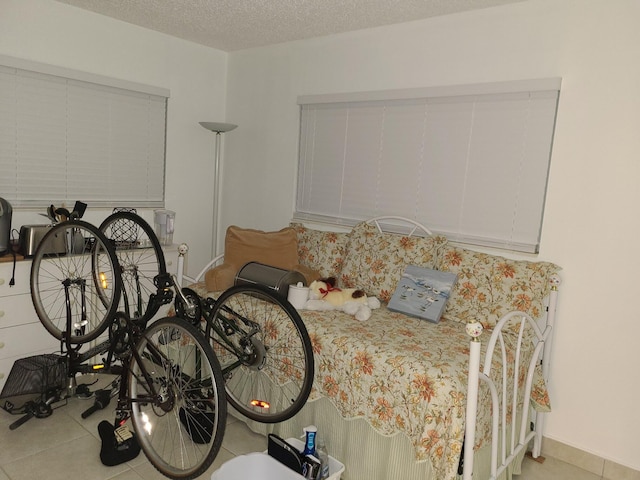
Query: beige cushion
{"type": "Point", "coordinates": [375, 261]}
{"type": "Point", "coordinates": [244, 245]}
{"type": "Point", "coordinates": [321, 251]}
{"type": "Point", "coordinates": [278, 249]}
{"type": "Point", "coordinates": [220, 278]}
{"type": "Point", "coordinates": [490, 286]}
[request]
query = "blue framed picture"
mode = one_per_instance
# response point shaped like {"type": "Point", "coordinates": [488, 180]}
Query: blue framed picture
{"type": "Point", "coordinates": [422, 292]}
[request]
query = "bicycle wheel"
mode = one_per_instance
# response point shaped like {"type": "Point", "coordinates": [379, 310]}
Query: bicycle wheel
{"type": "Point", "coordinates": [75, 286]}
{"type": "Point", "coordinates": [141, 259]}
{"type": "Point", "coordinates": [178, 407]}
{"type": "Point", "coordinates": [265, 353]}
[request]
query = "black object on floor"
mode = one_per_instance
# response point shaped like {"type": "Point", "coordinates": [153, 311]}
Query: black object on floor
{"type": "Point", "coordinates": [198, 424]}
{"type": "Point", "coordinates": [285, 453]}
{"type": "Point", "coordinates": [116, 450]}
{"type": "Point", "coordinates": [102, 400]}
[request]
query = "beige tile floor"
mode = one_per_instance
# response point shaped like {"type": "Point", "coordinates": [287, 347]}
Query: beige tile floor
{"type": "Point", "coordinates": [65, 446]}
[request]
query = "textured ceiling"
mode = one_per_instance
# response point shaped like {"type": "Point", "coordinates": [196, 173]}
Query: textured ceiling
{"type": "Point", "coordinates": [237, 24]}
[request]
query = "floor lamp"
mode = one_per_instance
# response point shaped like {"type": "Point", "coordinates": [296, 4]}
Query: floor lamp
{"type": "Point", "coordinates": [218, 129]}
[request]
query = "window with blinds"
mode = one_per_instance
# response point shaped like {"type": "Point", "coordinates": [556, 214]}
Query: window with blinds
{"type": "Point", "coordinates": [67, 136]}
{"type": "Point", "coordinates": [470, 162]}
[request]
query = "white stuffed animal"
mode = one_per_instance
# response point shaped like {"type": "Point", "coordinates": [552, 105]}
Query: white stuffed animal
{"type": "Point", "coordinates": [323, 295]}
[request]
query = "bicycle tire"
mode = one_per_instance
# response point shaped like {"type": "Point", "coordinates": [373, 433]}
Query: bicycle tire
{"type": "Point", "coordinates": [268, 373]}
{"type": "Point", "coordinates": [76, 254]}
{"type": "Point", "coordinates": [180, 430]}
{"type": "Point", "coordinates": [141, 259]}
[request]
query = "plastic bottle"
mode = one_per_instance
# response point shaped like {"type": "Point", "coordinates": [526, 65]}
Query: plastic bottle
{"type": "Point", "coordinates": [321, 453]}
{"type": "Point", "coordinates": [310, 440]}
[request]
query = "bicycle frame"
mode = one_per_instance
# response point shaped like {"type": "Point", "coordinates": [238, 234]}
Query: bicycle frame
{"type": "Point", "coordinates": [124, 334]}
{"type": "Point", "coordinates": [123, 409]}
{"type": "Point", "coordinates": [230, 327]}
{"type": "Point", "coordinates": [168, 381]}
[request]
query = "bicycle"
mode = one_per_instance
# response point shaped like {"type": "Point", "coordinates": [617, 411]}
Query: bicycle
{"type": "Point", "coordinates": [170, 381]}
{"type": "Point", "coordinates": [141, 261]}
{"type": "Point", "coordinates": [259, 338]}
{"type": "Point", "coordinates": [263, 347]}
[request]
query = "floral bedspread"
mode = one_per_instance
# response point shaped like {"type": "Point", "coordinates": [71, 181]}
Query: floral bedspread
{"type": "Point", "coordinates": [402, 375]}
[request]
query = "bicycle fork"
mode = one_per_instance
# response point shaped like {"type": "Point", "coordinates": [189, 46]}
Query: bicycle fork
{"type": "Point", "coordinates": [78, 327]}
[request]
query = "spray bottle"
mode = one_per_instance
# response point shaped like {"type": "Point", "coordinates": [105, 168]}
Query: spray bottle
{"type": "Point", "coordinates": [310, 440]}
{"type": "Point", "coordinates": [311, 466]}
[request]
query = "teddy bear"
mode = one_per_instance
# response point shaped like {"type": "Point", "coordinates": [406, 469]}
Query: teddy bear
{"type": "Point", "coordinates": [324, 295]}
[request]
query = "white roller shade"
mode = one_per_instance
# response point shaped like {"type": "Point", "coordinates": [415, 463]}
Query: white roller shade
{"type": "Point", "coordinates": [67, 136]}
{"type": "Point", "coordinates": [471, 162]}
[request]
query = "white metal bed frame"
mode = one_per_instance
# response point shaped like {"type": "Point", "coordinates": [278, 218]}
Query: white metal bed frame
{"type": "Point", "coordinates": [503, 453]}
{"type": "Point", "coordinates": [507, 451]}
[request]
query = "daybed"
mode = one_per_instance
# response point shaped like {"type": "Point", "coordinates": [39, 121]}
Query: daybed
{"type": "Point", "coordinates": [391, 394]}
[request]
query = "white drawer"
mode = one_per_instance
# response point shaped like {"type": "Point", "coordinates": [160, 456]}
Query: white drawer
{"type": "Point", "coordinates": [17, 310]}
{"type": "Point", "coordinates": [22, 340]}
{"type": "Point", "coordinates": [22, 278]}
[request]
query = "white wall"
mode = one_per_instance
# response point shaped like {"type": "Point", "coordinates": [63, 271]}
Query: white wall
{"type": "Point", "coordinates": [50, 32]}
{"type": "Point", "coordinates": [592, 219]}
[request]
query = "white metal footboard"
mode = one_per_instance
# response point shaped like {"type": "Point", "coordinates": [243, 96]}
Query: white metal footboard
{"type": "Point", "coordinates": [506, 442]}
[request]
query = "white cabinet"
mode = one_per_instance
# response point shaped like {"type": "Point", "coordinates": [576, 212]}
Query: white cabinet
{"type": "Point", "coordinates": [21, 333]}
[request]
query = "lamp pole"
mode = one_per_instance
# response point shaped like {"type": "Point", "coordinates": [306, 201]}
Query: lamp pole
{"type": "Point", "coordinates": [218, 129]}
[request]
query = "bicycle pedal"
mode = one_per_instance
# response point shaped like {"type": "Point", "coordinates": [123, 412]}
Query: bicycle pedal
{"type": "Point", "coordinates": [163, 281]}
{"type": "Point", "coordinates": [42, 410]}
{"type": "Point", "coordinates": [83, 392]}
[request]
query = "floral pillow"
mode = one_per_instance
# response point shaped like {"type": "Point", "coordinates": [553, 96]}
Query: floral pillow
{"type": "Point", "coordinates": [375, 261]}
{"type": "Point", "coordinates": [321, 251]}
{"type": "Point", "coordinates": [489, 286]}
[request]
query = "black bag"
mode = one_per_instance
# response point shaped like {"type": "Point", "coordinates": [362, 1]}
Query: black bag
{"type": "Point", "coordinates": [285, 453]}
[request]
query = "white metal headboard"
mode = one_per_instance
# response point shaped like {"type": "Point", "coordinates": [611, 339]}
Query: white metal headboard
{"type": "Point", "coordinates": [404, 222]}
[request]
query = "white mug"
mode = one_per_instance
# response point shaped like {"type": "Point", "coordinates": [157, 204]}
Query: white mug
{"type": "Point", "coordinates": [298, 295]}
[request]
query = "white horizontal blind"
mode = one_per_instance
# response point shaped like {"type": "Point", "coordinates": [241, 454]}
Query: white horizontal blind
{"type": "Point", "coordinates": [64, 139]}
{"type": "Point", "coordinates": [469, 162]}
